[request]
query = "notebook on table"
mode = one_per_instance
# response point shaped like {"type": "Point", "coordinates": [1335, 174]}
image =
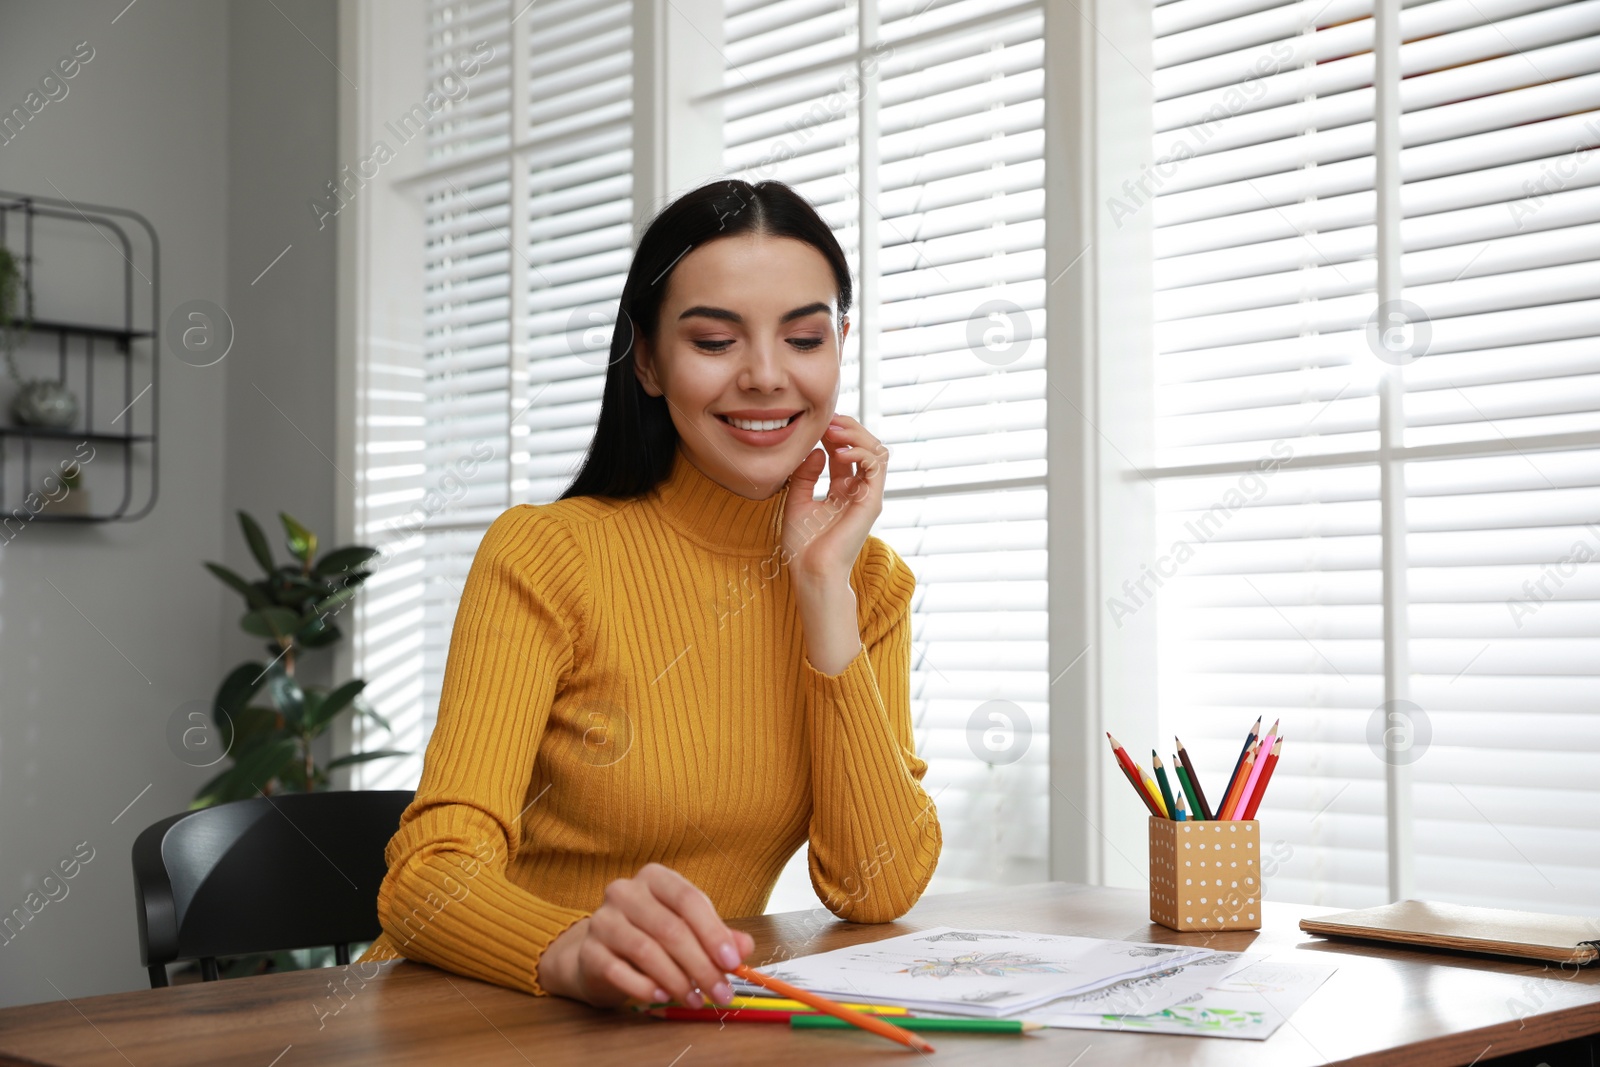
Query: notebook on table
{"type": "Point", "coordinates": [1524, 934]}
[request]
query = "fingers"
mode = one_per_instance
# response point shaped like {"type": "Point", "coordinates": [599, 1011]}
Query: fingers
{"type": "Point", "coordinates": [600, 969]}
{"type": "Point", "coordinates": [697, 936]}
{"type": "Point", "coordinates": [804, 477]}
{"type": "Point", "coordinates": [641, 949]}
{"type": "Point", "coordinates": [849, 442]}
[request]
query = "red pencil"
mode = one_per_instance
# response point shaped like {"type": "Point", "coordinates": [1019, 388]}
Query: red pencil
{"type": "Point", "coordinates": [729, 1015]}
{"type": "Point", "coordinates": [1266, 776]}
{"type": "Point", "coordinates": [1126, 763]}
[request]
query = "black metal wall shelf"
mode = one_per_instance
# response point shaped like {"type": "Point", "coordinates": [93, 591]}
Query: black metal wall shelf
{"type": "Point", "coordinates": [124, 340]}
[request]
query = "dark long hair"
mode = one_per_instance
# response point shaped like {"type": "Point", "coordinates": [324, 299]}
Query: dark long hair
{"type": "Point", "coordinates": [634, 439]}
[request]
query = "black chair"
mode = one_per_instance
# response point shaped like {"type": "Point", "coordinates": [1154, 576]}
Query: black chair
{"type": "Point", "coordinates": [263, 875]}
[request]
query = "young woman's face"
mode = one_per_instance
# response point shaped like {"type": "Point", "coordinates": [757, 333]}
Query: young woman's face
{"type": "Point", "coordinates": [749, 337]}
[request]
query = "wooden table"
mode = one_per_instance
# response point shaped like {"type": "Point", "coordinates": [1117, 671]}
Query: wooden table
{"type": "Point", "coordinates": [1382, 1006]}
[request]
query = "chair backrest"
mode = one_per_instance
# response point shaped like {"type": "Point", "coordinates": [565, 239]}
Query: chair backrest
{"type": "Point", "coordinates": [263, 875]}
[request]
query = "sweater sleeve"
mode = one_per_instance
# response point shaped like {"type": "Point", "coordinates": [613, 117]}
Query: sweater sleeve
{"type": "Point", "coordinates": [446, 899]}
{"type": "Point", "coordinates": [875, 836]}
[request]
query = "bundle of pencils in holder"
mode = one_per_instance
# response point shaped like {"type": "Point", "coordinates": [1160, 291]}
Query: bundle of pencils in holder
{"type": "Point", "coordinates": [1179, 795]}
{"type": "Point", "coordinates": [1204, 856]}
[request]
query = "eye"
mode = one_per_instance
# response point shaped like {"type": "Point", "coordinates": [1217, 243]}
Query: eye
{"type": "Point", "coordinates": [712, 346]}
{"type": "Point", "coordinates": [806, 344]}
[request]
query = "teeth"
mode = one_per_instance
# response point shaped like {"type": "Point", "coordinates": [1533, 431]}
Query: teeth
{"type": "Point", "coordinates": [751, 424]}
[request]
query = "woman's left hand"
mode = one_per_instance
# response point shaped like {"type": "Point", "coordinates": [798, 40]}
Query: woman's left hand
{"type": "Point", "coordinates": [822, 538]}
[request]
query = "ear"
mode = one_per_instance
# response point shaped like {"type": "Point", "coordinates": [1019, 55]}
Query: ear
{"type": "Point", "coordinates": [644, 367]}
{"type": "Point", "coordinates": [844, 330]}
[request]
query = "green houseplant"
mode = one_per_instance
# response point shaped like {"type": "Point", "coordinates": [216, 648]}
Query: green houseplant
{"type": "Point", "coordinates": [266, 718]}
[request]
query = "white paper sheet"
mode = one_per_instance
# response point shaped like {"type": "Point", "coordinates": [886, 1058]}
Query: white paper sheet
{"type": "Point", "coordinates": [986, 973]}
{"type": "Point", "coordinates": [1250, 1003]}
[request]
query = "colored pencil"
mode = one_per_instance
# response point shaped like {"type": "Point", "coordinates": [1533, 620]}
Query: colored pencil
{"type": "Point", "coordinates": [855, 1018]}
{"type": "Point", "coordinates": [748, 1015]}
{"type": "Point", "coordinates": [1255, 771]}
{"type": "Point", "coordinates": [1182, 816]}
{"type": "Point", "coordinates": [1266, 776]}
{"type": "Point", "coordinates": [1161, 779]}
{"type": "Point", "coordinates": [1201, 806]}
{"type": "Point", "coordinates": [1188, 789]}
{"type": "Point", "coordinates": [1249, 739]}
{"type": "Point", "coordinates": [988, 1026]}
{"type": "Point", "coordinates": [780, 1004]}
{"type": "Point", "coordinates": [1155, 793]}
{"type": "Point", "coordinates": [1144, 796]}
{"type": "Point", "coordinates": [1126, 764]}
{"type": "Point", "coordinates": [1231, 805]}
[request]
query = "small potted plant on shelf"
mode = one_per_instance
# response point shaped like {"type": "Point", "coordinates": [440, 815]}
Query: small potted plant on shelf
{"type": "Point", "coordinates": [41, 402]}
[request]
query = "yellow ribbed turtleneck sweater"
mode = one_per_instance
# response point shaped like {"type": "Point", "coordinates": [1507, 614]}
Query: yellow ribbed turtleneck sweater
{"type": "Point", "coordinates": [627, 683]}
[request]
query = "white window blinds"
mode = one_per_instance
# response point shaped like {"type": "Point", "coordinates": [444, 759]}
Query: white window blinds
{"type": "Point", "coordinates": [917, 131]}
{"type": "Point", "coordinates": [527, 197]}
{"type": "Point", "coordinates": [1271, 363]}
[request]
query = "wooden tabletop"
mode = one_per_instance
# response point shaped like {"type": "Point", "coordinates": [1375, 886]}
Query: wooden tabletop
{"type": "Point", "coordinates": [1382, 1006]}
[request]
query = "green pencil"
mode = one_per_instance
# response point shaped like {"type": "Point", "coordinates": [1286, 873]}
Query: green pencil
{"type": "Point", "coordinates": [905, 1022]}
{"type": "Point", "coordinates": [1161, 780]}
{"type": "Point", "coordinates": [1188, 787]}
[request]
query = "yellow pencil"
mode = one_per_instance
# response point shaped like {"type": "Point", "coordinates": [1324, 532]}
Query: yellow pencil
{"type": "Point", "coordinates": [1154, 791]}
{"type": "Point", "coordinates": [779, 1004]}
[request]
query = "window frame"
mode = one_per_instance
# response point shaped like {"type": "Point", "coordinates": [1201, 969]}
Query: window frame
{"type": "Point", "coordinates": [1097, 102]}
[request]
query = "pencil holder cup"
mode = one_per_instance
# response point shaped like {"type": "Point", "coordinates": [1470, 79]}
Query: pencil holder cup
{"type": "Point", "coordinates": [1205, 874]}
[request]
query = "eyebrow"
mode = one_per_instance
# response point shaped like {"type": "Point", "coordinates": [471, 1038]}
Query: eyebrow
{"type": "Point", "coordinates": [703, 311]}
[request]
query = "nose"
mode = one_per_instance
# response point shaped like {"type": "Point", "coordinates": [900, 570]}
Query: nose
{"type": "Point", "coordinates": [763, 369]}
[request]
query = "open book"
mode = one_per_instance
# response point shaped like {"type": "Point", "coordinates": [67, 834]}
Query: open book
{"type": "Point", "coordinates": [1525, 934]}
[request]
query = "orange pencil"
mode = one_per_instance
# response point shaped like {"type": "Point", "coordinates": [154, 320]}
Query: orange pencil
{"type": "Point", "coordinates": [1249, 739]}
{"type": "Point", "coordinates": [1266, 776]}
{"type": "Point", "coordinates": [855, 1018]}
{"type": "Point", "coordinates": [1232, 802]}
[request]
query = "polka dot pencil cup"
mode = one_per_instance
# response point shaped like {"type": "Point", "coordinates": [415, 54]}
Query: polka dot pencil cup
{"type": "Point", "coordinates": [1205, 874]}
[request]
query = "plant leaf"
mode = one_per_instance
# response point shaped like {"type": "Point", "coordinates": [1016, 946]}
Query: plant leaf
{"type": "Point", "coordinates": [287, 696]}
{"type": "Point", "coordinates": [362, 757]}
{"type": "Point", "coordinates": [341, 560]}
{"type": "Point", "coordinates": [254, 596]}
{"type": "Point", "coordinates": [365, 708]}
{"type": "Point", "coordinates": [327, 635]}
{"type": "Point", "coordinates": [258, 541]}
{"type": "Point", "coordinates": [337, 600]}
{"type": "Point", "coordinates": [302, 542]}
{"type": "Point", "coordinates": [237, 690]}
{"type": "Point", "coordinates": [255, 771]}
{"type": "Point", "coordinates": [330, 706]}
{"type": "Point", "coordinates": [270, 622]}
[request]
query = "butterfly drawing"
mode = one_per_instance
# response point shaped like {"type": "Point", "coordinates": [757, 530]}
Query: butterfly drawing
{"type": "Point", "coordinates": [967, 935]}
{"type": "Point", "coordinates": [984, 964]}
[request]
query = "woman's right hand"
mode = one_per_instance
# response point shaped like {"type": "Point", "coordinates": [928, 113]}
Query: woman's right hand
{"type": "Point", "coordinates": [655, 937]}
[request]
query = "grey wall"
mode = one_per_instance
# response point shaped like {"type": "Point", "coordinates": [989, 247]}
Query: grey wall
{"type": "Point", "coordinates": [216, 122]}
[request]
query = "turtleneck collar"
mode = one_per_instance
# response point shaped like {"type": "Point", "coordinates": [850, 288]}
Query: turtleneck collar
{"type": "Point", "coordinates": [716, 517]}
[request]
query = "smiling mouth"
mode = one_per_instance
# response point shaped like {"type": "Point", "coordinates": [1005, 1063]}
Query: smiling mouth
{"type": "Point", "coordinates": [759, 424]}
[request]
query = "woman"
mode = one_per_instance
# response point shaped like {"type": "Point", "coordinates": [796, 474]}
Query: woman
{"type": "Point", "coordinates": [664, 683]}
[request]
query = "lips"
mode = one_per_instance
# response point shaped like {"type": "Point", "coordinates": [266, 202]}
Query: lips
{"type": "Point", "coordinates": [760, 438]}
{"type": "Point", "coordinates": [785, 417]}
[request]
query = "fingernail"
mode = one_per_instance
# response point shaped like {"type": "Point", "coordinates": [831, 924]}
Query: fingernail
{"type": "Point", "coordinates": [695, 999]}
{"type": "Point", "coordinates": [729, 957]}
{"type": "Point", "coordinates": [723, 992]}
{"type": "Point", "coordinates": [661, 995]}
